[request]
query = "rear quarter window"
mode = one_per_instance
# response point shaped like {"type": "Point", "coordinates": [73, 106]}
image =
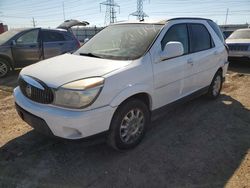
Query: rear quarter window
{"type": "Point", "coordinates": [217, 30]}
{"type": "Point", "coordinates": [68, 37]}
{"type": "Point", "coordinates": [52, 36]}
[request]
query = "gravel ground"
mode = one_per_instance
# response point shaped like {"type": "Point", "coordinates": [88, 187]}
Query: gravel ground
{"type": "Point", "coordinates": [200, 144]}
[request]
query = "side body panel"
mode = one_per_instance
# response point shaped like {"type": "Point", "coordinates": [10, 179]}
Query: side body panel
{"type": "Point", "coordinates": [207, 62]}
{"type": "Point", "coordinates": [54, 48]}
{"type": "Point", "coordinates": [173, 77]}
{"type": "Point", "coordinates": [26, 53]}
{"type": "Point", "coordinates": [176, 78]}
{"type": "Point", "coordinates": [137, 77]}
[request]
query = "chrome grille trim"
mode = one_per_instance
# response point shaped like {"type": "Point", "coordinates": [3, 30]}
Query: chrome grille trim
{"type": "Point", "coordinates": [39, 93]}
{"type": "Point", "coordinates": [238, 47]}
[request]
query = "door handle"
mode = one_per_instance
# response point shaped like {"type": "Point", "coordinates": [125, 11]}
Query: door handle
{"type": "Point", "coordinates": [190, 62]}
{"type": "Point", "coordinates": [32, 46]}
{"type": "Point", "coordinates": [60, 44]}
{"type": "Point", "coordinates": [216, 52]}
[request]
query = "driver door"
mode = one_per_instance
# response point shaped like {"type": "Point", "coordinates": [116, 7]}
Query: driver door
{"type": "Point", "coordinates": [172, 77]}
{"type": "Point", "coordinates": [26, 49]}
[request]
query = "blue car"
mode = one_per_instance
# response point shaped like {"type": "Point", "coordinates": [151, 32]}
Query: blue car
{"type": "Point", "coordinates": [22, 47]}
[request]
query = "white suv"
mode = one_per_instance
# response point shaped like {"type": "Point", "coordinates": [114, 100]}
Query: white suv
{"type": "Point", "coordinates": [121, 77]}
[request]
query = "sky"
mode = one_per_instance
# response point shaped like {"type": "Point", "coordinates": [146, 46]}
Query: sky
{"type": "Point", "coordinates": [49, 13]}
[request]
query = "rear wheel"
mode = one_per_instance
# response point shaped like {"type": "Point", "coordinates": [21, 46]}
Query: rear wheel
{"type": "Point", "coordinates": [4, 67]}
{"type": "Point", "coordinates": [128, 125]}
{"type": "Point", "coordinates": [216, 85]}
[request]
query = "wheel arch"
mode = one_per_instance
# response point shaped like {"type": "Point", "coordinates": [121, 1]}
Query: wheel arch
{"type": "Point", "coordinates": [144, 97]}
{"type": "Point", "coordinates": [8, 59]}
{"type": "Point", "coordinates": [139, 92]}
{"type": "Point", "coordinates": [220, 70]}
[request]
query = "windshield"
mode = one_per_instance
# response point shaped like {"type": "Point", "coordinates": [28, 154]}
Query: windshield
{"type": "Point", "coordinates": [121, 42]}
{"type": "Point", "coordinates": [4, 37]}
{"type": "Point", "coordinates": [240, 34]}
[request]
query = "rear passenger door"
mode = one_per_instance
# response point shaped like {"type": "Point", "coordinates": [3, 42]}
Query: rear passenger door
{"type": "Point", "coordinates": [204, 54]}
{"type": "Point", "coordinates": [54, 43]}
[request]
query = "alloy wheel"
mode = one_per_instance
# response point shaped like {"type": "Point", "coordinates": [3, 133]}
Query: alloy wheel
{"type": "Point", "coordinates": [132, 126]}
{"type": "Point", "coordinates": [3, 69]}
{"type": "Point", "coordinates": [217, 85]}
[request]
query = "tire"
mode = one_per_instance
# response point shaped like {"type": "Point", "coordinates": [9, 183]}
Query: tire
{"type": "Point", "coordinates": [215, 86]}
{"type": "Point", "coordinates": [128, 125]}
{"type": "Point", "coordinates": [4, 67]}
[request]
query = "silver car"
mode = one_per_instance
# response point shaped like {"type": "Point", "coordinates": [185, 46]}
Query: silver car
{"type": "Point", "coordinates": [22, 47]}
{"type": "Point", "coordinates": [239, 44]}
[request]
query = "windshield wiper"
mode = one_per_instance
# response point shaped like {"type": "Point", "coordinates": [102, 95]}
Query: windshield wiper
{"type": "Point", "coordinates": [90, 55]}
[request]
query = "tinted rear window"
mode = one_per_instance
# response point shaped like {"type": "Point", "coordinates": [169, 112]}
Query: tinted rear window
{"type": "Point", "coordinates": [51, 36]}
{"type": "Point", "coordinates": [68, 37]}
{"type": "Point", "coordinates": [200, 38]}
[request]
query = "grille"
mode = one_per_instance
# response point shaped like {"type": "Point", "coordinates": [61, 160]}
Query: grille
{"type": "Point", "coordinates": [36, 94]}
{"type": "Point", "coordinates": [238, 47]}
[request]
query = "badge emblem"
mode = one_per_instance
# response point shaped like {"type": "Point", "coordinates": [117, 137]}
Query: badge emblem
{"type": "Point", "coordinates": [28, 90]}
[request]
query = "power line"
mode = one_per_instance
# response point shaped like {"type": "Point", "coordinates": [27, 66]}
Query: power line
{"type": "Point", "coordinates": [63, 11]}
{"type": "Point", "coordinates": [55, 12]}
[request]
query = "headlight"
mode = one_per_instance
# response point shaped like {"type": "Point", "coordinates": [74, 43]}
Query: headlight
{"type": "Point", "coordinates": [78, 94]}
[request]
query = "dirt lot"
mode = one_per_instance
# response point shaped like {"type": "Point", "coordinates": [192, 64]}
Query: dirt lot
{"type": "Point", "coordinates": [201, 144]}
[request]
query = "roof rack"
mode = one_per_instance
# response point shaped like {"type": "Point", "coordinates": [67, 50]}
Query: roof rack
{"type": "Point", "coordinates": [189, 18]}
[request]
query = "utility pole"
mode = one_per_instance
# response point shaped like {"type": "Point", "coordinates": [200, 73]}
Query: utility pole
{"type": "Point", "coordinates": [33, 22]}
{"type": "Point", "coordinates": [110, 15]}
{"type": "Point", "coordinates": [226, 16]}
{"type": "Point", "coordinates": [63, 11]}
{"type": "Point", "coordinates": [1, 15]}
{"type": "Point", "coordinates": [139, 12]}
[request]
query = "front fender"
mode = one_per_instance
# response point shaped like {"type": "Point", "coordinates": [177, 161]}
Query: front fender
{"type": "Point", "coordinates": [7, 57]}
{"type": "Point", "coordinates": [129, 91]}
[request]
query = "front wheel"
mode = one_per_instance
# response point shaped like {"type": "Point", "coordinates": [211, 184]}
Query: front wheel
{"type": "Point", "coordinates": [216, 86]}
{"type": "Point", "coordinates": [128, 125]}
{"type": "Point", "coordinates": [4, 67]}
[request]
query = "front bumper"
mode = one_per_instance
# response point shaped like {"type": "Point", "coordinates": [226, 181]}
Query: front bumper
{"type": "Point", "coordinates": [62, 122]}
{"type": "Point", "coordinates": [37, 123]}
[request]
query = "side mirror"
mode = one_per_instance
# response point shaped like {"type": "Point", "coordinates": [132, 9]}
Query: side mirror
{"type": "Point", "coordinates": [172, 49]}
{"type": "Point", "coordinates": [86, 40]}
{"type": "Point", "coordinates": [13, 42]}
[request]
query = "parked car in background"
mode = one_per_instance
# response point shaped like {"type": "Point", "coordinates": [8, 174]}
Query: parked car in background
{"type": "Point", "coordinates": [22, 47]}
{"type": "Point", "coordinates": [121, 78]}
{"type": "Point", "coordinates": [227, 34]}
{"type": "Point", "coordinates": [239, 44]}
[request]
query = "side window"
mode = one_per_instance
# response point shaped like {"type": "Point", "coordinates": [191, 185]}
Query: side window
{"type": "Point", "coordinates": [68, 37]}
{"type": "Point", "coordinates": [51, 36]}
{"type": "Point", "coordinates": [217, 30]}
{"type": "Point", "coordinates": [177, 33]}
{"type": "Point", "coordinates": [28, 38]}
{"type": "Point", "coordinates": [200, 38]}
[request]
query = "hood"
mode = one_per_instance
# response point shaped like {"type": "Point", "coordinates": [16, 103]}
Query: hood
{"type": "Point", "coordinates": [65, 68]}
{"type": "Point", "coordinates": [70, 23]}
{"type": "Point", "coordinates": [238, 41]}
